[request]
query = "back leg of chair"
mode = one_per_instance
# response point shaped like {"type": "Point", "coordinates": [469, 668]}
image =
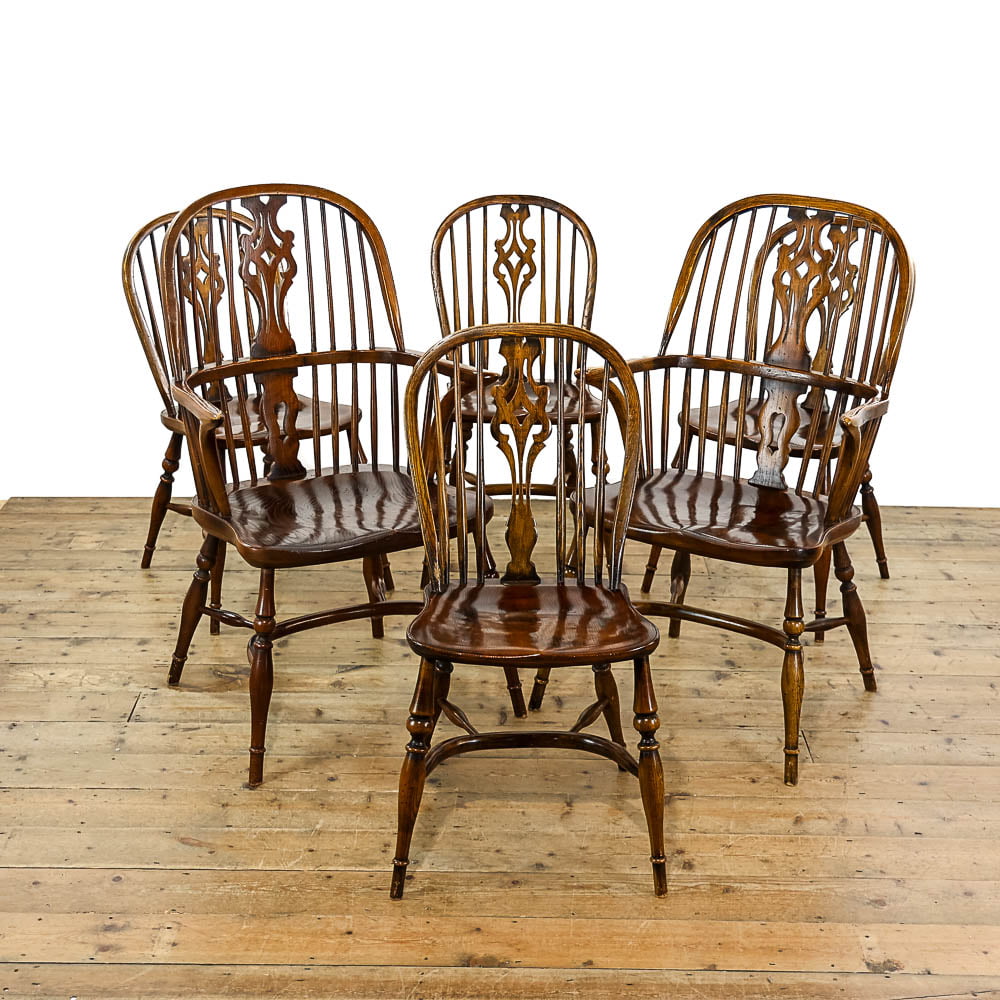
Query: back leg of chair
{"type": "Point", "coordinates": [650, 770]}
{"type": "Point", "coordinates": [654, 559]}
{"type": "Point", "coordinates": [680, 574]}
{"type": "Point", "coordinates": [514, 689]}
{"type": "Point", "coordinates": [373, 570]}
{"type": "Point", "coordinates": [792, 674]}
{"type": "Point", "coordinates": [215, 598]}
{"type": "Point", "coordinates": [193, 607]}
{"type": "Point", "coordinates": [606, 689]}
{"type": "Point", "coordinates": [261, 675]}
{"type": "Point", "coordinates": [854, 612]}
{"type": "Point", "coordinates": [161, 498]}
{"type": "Point", "coordinates": [538, 688]}
{"type": "Point", "coordinates": [873, 517]}
{"type": "Point", "coordinates": [387, 579]}
{"type": "Point", "coordinates": [420, 725]}
{"type": "Point", "coordinates": [821, 576]}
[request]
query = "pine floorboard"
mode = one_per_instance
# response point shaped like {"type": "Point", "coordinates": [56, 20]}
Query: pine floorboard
{"type": "Point", "coordinates": [133, 862]}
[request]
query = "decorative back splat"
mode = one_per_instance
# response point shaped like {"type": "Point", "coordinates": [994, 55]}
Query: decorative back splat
{"type": "Point", "coordinates": [809, 277]}
{"type": "Point", "coordinates": [267, 269]}
{"type": "Point", "coordinates": [514, 256]}
{"type": "Point", "coordinates": [520, 405]}
{"type": "Point", "coordinates": [202, 284]}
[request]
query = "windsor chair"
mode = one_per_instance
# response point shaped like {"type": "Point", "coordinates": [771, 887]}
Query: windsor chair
{"type": "Point", "coordinates": [314, 263]}
{"type": "Point", "coordinates": [522, 619]}
{"type": "Point", "coordinates": [516, 258]}
{"type": "Point", "coordinates": [763, 280]}
{"type": "Point", "coordinates": [141, 283]}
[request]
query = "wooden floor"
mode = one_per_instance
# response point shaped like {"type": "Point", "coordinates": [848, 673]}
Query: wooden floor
{"type": "Point", "coordinates": [133, 863]}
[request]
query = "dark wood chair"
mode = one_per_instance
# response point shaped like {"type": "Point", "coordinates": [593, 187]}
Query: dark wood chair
{"type": "Point", "coordinates": [517, 258]}
{"type": "Point", "coordinates": [522, 619]}
{"type": "Point", "coordinates": [141, 282]}
{"type": "Point", "coordinates": [839, 301]}
{"type": "Point", "coordinates": [764, 280]}
{"type": "Point", "coordinates": [280, 490]}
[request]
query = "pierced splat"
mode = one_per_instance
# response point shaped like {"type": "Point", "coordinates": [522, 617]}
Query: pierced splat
{"type": "Point", "coordinates": [521, 402]}
{"type": "Point", "coordinates": [514, 267]}
{"type": "Point", "coordinates": [803, 283]}
{"type": "Point", "coordinates": [202, 284]}
{"type": "Point", "coordinates": [267, 268]}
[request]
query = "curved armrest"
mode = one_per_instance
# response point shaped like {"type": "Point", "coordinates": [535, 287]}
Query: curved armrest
{"type": "Point", "coordinates": [199, 408]}
{"type": "Point", "coordinates": [855, 451]}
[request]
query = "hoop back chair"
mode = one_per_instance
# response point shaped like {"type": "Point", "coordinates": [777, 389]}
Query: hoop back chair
{"type": "Point", "coordinates": [522, 618]}
{"type": "Point", "coordinates": [756, 435]}
{"type": "Point", "coordinates": [517, 258]}
{"type": "Point", "coordinates": [313, 263]}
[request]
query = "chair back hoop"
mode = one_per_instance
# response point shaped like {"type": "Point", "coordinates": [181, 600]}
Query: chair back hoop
{"type": "Point", "coordinates": [533, 431]}
{"type": "Point", "coordinates": [784, 284]}
{"type": "Point", "coordinates": [513, 258]}
{"type": "Point", "coordinates": [272, 305]}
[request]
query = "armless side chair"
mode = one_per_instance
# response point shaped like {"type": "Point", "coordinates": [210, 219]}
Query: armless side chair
{"type": "Point", "coordinates": [533, 614]}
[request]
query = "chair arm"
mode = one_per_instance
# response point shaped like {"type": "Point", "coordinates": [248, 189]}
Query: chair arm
{"type": "Point", "coordinates": [855, 451]}
{"type": "Point", "coordinates": [201, 421]}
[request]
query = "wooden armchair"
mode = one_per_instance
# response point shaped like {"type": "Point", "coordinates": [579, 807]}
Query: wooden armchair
{"type": "Point", "coordinates": [526, 617]}
{"type": "Point", "coordinates": [517, 258]}
{"type": "Point", "coordinates": [750, 396]}
{"type": "Point", "coordinates": [142, 285]}
{"type": "Point", "coordinates": [269, 481]}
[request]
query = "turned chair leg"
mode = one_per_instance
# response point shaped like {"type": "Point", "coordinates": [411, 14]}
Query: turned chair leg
{"type": "Point", "coordinates": [538, 688]}
{"type": "Point", "coordinates": [650, 771]}
{"type": "Point", "coordinates": [375, 583]}
{"type": "Point", "coordinates": [161, 498]}
{"type": "Point", "coordinates": [792, 674]}
{"type": "Point", "coordinates": [193, 607]}
{"type": "Point", "coordinates": [821, 576]}
{"type": "Point", "coordinates": [261, 675]}
{"type": "Point", "coordinates": [515, 692]}
{"type": "Point", "coordinates": [215, 593]}
{"type": "Point", "coordinates": [680, 574]}
{"type": "Point", "coordinates": [873, 517]}
{"type": "Point", "coordinates": [854, 612]}
{"type": "Point", "coordinates": [654, 559]}
{"type": "Point", "coordinates": [420, 725]}
{"type": "Point", "coordinates": [387, 579]}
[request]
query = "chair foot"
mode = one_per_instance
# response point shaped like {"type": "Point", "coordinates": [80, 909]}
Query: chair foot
{"type": "Point", "coordinates": [161, 498]}
{"type": "Point", "coordinates": [791, 766]}
{"type": "Point", "coordinates": [193, 607]}
{"type": "Point", "coordinates": [398, 879]}
{"type": "Point", "coordinates": [659, 876]}
{"type": "Point", "coordinates": [873, 518]}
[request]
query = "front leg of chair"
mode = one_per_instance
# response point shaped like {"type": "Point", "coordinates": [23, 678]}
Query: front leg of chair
{"type": "Point", "coordinates": [873, 517]}
{"type": "Point", "coordinates": [650, 770]}
{"type": "Point", "coordinates": [375, 583]}
{"type": "Point", "coordinates": [654, 559]}
{"type": "Point", "coordinates": [680, 574]}
{"type": "Point", "coordinates": [792, 674]}
{"type": "Point", "coordinates": [161, 498]}
{"type": "Point", "coordinates": [194, 606]}
{"type": "Point", "coordinates": [215, 600]}
{"type": "Point", "coordinates": [261, 675]}
{"type": "Point", "coordinates": [420, 726]}
{"type": "Point", "coordinates": [606, 688]}
{"type": "Point", "coordinates": [854, 612]}
{"type": "Point", "coordinates": [821, 575]}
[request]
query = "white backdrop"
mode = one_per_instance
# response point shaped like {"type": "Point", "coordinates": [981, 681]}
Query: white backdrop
{"type": "Point", "coordinates": [644, 120]}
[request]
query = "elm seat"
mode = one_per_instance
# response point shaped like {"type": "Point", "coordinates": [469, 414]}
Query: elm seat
{"type": "Point", "coordinates": [300, 522]}
{"type": "Point", "coordinates": [520, 624]}
{"type": "Point", "coordinates": [775, 527]}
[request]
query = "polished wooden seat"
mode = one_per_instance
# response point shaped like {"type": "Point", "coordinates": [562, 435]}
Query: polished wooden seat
{"type": "Point", "coordinates": [525, 617]}
{"type": "Point", "coordinates": [518, 624]}
{"type": "Point", "coordinates": [777, 380]}
{"type": "Point", "coordinates": [308, 267]}
{"type": "Point", "coordinates": [735, 521]}
{"type": "Point", "coordinates": [299, 522]}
